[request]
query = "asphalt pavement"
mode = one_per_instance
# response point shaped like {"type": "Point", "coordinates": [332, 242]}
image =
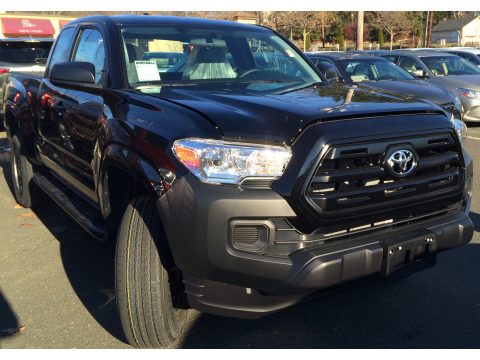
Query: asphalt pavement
{"type": "Point", "coordinates": [56, 291]}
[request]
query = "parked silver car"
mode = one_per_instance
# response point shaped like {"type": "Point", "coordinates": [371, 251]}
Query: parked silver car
{"type": "Point", "coordinates": [447, 70]}
{"type": "Point", "coordinates": [470, 54]}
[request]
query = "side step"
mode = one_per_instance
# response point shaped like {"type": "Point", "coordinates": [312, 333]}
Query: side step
{"type": "Point", "coordinates": [79, 209]}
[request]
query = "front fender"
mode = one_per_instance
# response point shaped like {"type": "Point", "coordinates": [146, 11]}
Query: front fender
{"type": "Point", "coordinates": [133, 164]}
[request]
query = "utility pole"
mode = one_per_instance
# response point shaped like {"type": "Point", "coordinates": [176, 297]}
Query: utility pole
{"type": "Point", "coordinates": [426, 30]}
{"type": "Point", "coordinates": [430, 23]}
{"type": "Point", "coordinates": [322, 16]}
{"type": "Point", "coordinates": [360, 30]}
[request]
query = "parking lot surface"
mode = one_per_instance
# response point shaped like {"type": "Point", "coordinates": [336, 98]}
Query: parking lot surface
{"type": "Point", "coordinates": [56, 285]}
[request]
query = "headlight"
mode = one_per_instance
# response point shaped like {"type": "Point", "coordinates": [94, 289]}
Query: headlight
{"type": "Point", "coordinates": [220, 162]}
{"type": "Point", "coordinates": [471, 94]}
{"type": "Point", "coordinates": [460, 128]}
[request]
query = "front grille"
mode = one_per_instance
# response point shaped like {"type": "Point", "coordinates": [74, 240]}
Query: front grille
{"type": "Point", "coordinates": [353, 180]}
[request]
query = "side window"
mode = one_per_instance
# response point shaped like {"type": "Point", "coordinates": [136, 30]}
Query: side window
{"type": "Point", "coordinates": [409, 64]}
{"type": "Point", "coordinates": [328, 69]}
{"type": "Point", "coordinates": [391, 58]}
{"type": "Point", "coordinates": [62, 46]}
{"type": "Point", "coordinates": [91, 48]}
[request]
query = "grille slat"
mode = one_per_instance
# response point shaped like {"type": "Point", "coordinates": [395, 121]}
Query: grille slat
{"type": "Point", "coordinates": [432, 161]}
{"type": "Point", "coordinates": [348, 174]}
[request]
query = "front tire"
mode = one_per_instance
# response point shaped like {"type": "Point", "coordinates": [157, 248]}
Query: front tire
{"type": "Point", "coordinates": [26, 192]}
{"type": "Point", "coordinates": [147, 313]}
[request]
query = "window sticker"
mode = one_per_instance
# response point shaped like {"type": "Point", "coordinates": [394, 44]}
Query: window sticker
{"type": "Point", "coordinates": [289, 53]}
{"type": "Point", "coordinates": [150, 89]}
{"type": "Point", "coordinates": [147, 70]}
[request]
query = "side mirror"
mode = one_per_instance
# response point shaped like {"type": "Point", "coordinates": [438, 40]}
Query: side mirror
{"type": "Point", "coordinates": [421, 74]}
{"type": "Point", "coordinates": [332, 75]}
{"type": "Point", "coordinates": [74, 74]}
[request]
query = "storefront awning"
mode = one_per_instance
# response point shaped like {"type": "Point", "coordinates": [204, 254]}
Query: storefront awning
{"type": "Point", "coordinates": [27, 26]}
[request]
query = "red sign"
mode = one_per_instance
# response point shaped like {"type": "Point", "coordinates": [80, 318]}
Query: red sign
{"type": "Point", "coordinates": [26, 26]}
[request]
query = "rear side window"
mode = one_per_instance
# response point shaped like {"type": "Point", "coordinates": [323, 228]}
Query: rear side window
{"type": "Point", "coordinates": [61, 50]}
{"type": "Point", "coordinates": [470, 57]}
{"type": "Point", "coordinates": [91, 48]}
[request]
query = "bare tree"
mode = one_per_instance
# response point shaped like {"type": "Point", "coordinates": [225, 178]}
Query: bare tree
{"type": "Point", "coordinates": [305, 21]}
{"type": "Point", "coordinates": [394, 23]}
{"type": "Point", "coordinates": [326, 19]}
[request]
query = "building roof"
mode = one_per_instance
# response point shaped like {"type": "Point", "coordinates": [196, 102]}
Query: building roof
{"type": "Point", "coordinates": [453, 24]}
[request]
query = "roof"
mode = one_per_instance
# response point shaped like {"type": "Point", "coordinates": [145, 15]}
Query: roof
{"type": "Point", "coordinates": [156, 20]}
{"type": "Point", "coordinates": [463, 50]}
{"type": "Point", "coordinates": [421, 53]}
{"type": "Point", "coordinates": [453, 24]}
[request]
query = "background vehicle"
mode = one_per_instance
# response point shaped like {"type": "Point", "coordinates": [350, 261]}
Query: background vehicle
{"type": "Point", "coordinates": [231, 189]}
{"type": "Point", "coordinates": [380, 73]}
{"type": "Point", "coordinates": [469, 54]}
{"type": "Point", "coordinates": [446, 70]}
{"type": "Point", "coordinates": [21, 55]}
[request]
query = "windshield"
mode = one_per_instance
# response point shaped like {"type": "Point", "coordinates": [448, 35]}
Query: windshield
{"type": "Point", "coordinates": [450, 65]}
{"type": "Point", "coordinates": [194, 55]}
{"type": "Point", "coordinates": [24, 52]}
{"type": "Point", "coordinates": [373, 70]}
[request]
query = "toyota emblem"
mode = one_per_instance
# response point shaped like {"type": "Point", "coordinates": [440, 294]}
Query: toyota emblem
{"type": "Point", "coordinates": [402, 162]}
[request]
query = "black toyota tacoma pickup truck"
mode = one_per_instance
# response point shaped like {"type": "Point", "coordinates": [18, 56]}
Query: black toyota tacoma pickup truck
{"type": "Point", "coordinates": [234, 179]}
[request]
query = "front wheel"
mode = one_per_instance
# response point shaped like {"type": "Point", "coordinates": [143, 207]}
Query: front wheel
{"type": "Point", "coordinates": [143, 288]}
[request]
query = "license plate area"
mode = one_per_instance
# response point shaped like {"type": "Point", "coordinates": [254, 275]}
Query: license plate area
{"type": "Point", "coordinates": [410, 252]}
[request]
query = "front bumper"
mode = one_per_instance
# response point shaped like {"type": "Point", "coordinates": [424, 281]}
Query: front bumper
{"type": "Point", "coordinates": [471, 109]}
{"type": "Point", "coordinates": [222, 280]}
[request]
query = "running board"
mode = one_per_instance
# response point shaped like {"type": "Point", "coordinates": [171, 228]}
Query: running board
{"type": "Point", "coordinates": [79, 209]}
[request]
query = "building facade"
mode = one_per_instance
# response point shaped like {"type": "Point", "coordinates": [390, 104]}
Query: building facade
{"type": "Point", "coordinates": [463, 31]}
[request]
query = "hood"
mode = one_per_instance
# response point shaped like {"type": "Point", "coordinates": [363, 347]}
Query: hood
{"type": "Point", "coordinates": [419, 88]}
{"type": "Point", "coordinates": [455, 81]}
{"type": "Point", "coordinates": [252, 112]}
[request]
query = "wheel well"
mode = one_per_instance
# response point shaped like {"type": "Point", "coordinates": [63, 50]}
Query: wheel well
{"type": "Point", "coordinates": [122, 188]}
